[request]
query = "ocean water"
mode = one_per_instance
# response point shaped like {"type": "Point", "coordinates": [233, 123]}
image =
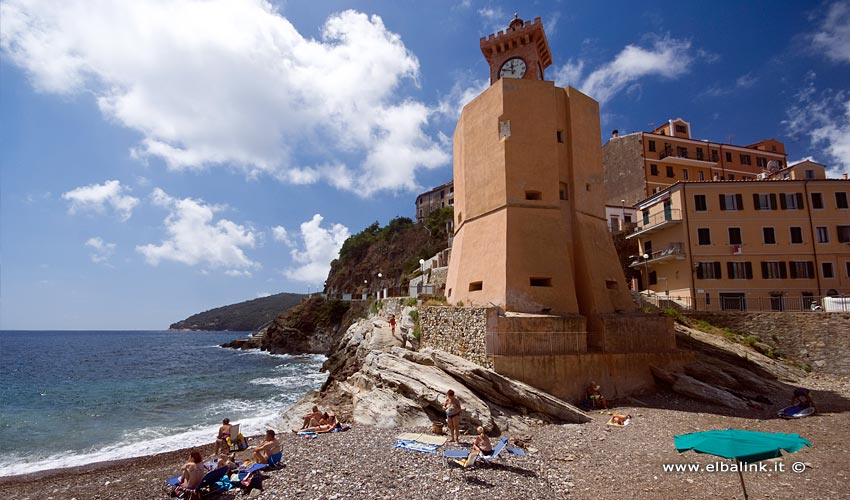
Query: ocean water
{"type": "Point", "coordinates": [77, 397]}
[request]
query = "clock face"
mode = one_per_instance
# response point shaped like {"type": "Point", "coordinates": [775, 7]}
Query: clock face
{"type": "Point", "coordinates": [513, 68]}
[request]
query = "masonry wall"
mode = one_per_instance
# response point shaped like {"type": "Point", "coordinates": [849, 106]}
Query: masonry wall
{"type": "Point", "coordinates": [457, 330]}
{"type": "Point", "coordinates": [819, 339]}
{"type": "Point", "coordinates": [624, 170]}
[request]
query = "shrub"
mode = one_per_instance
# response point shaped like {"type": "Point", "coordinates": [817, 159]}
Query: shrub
{"type": "Point", "coordinates": [410, 302]}
{"type": "Point", "coordinates": [459, 303]}
{"type": "Point", "coordinates": [676, 315]}
{"type": "Point", "coordinates": [414, 315]}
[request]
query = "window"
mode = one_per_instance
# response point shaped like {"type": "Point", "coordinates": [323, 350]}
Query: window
{"type": "Point", "coordinates": [796, 235]}
{"type": "Point", "coordinates": [841, 199]}
{"type": "Point", "coordinates": [810, 174]}
{"type": "Point", "coordinates": [739, 270]}
{"type": "Point", "coordinates": [769, 235]}
{"type": "Point", "coordinates": [802, 269]}
{"type": "Point", "coordinates": [773, 270]}
{"type": "Point", "coordinates": [734, 235]}
{"type": "Point", "coordinates": [699, 203]}
{"type": "Point", "coordinates": [708, 299]}
{"type": "Point", "coordinates": [452, 189]}
{"type": "Point", "coordinates": [817, 200]}
{"type": "Point", "coordinates": [704, 236]}
{"type": "Point", "coordinates": [452, 201]}
{"type": "Point", "coordinates": [670, 171]}
{"type": "Point", "coordinates": [560, 135]}
{"type": "Point", "coordinates": [847, 268]}
{"type": "Point", "coordinates": [714, 155]}
{"type": "Point", "coordinates": [827, 269]}
{"type": "Point", "coordinates": [681, 152]}
{"type": "Point", "coordinates": [699, 154]}
{"type": "Point", "coordinates": [843, 234]}
{"type": "Point", "coordinates": [761, 162]}
{"type": "Point", "coordinates": [701, 176]}
{"type": "Point", "coordinates": [764, 201]}
{"type": "Point", "coordinates": [731, 177]}
{"type": "Point", "coordinates": [533, 195]}
{"type": "Point", "coordinates": [627, 218]}
{"type": "Point", "coordinates": [791, 201]}
{"type": "Point", "coordinates": [652, 146]}
{"type": "Point", "coordinates": [653, 278]}
{"type": "Point", "coordinates": [645, 213]}
{"type": "Point", "coordinates": [745, 160]}
{"type": "Point", "coordinates": [682, 129]}
{"type": "Point", "coordinates": [822, 234]}
{"type": "Point", "coordinates": [653, 169]}
{"type": "Point", "coordinates": [476, 286]}
{"type": "Point", "coordinates": [728, 156]}
{"type": "Point", "coordinates": [708, 271]}
{"type": "Point", "coordinates": [731, 202]}
{"type": "Point", "coordinates": [562, 190]}
{"type": "Point", "coordinates": [685, 174]}
{"type": "Point", "coordinates": [541, 281]}
{"type": "Point", "coordinates": [614, 223]}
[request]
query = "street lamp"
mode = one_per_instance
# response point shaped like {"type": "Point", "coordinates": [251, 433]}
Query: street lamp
{"type": "Point", "coordinates": [623, 215]}
{"type": "Point", "coordinates": [421, 265]}
{"type": "Point", "coordinates": [380, 284]}
{"type": "Point", "coordinates": [646, 268]}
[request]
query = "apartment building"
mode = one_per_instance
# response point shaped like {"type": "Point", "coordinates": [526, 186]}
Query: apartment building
{"type": "Point", "coordinates": [641, 164]}
{"type": "Point", "coordinates": [439, 197]}
{"type": "Point", "coordinates": [760, 245]}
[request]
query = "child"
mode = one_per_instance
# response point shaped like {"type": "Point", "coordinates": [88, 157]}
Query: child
{"type": "Point", "coordinates": [392, 323]}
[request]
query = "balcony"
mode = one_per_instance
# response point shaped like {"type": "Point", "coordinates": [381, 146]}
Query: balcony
{"type": "Point", "coordinates": [657, 222]}
{"type": "Point", "coordinates": [683, 158]}
{"type": "Point", "coordinates": [673, 251]}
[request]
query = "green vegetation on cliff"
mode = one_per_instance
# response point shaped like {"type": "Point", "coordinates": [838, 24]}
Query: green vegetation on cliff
{"type": "Point", "coordinates": [393, 250]}
{"type": "Point", "coordinates": [242, 317]}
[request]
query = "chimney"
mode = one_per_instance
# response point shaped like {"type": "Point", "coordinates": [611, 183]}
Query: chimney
{"type": "Point", "coordinates": [845, 176]}
{"type": "Point", "coordinates": [615, 133]}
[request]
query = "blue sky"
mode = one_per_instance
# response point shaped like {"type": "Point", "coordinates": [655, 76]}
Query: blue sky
{"type": "Point", "coordinates": [160, 158]}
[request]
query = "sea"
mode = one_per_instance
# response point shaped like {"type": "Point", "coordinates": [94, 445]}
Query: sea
{"type": "Point", "coordinates": [70, 398]}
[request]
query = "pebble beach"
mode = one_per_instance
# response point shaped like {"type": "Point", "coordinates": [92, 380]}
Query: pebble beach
{"type": "Point", "coordinates": [577, 461]}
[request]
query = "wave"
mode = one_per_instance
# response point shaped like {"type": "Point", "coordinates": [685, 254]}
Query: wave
{"type": "Point", "coordinates": [318, 358]}
{"type": "Point", "coordinates": [148, 441]}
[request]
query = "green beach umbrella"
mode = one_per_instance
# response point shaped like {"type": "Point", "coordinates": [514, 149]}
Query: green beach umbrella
{"type": "Point", "coordinates": [741, 446]}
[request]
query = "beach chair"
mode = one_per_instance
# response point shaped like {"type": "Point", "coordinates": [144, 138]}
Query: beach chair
{"type": "Point", "coordinates": [207, 485]}
{"type": "Point", "coordinates": [468, 459]}
{"type": "Point", "coordinates": [234, 442]}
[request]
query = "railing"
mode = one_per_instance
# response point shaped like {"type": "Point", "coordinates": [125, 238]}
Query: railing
{"type": "Point", "coordinates": [672, 250]}
{"type": "Point", "coordinates": [748, 304]}
{"type": "Point", "coordinates": [664, 153]}
{"type": "Point", "coordinates": [658, 219]}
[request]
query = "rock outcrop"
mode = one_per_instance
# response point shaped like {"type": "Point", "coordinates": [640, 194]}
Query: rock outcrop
{"type": "Point", "coordinates": [373, 380]}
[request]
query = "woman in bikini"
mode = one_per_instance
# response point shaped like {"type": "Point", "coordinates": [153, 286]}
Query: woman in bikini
{"type": "Point", "coordinates": [482, 443]}
{"type": "Point", "coordinates": [452, 407]}
{"type": "Point", "coordinates": [223, 433]}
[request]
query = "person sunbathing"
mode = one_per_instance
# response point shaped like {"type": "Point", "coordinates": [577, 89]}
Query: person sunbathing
{"type": "Point", "coordinates": [482, 443]}
{"type": "Point", "coordinates": [802, 398]}
{"type": "Point", "coordinates": [312, 417]}
{"type": "Point", "coordinates": [192, 472]}
{"type": "Point", "coordinates": [228, 460]}
{"type": "Point", "coordinates": [268, 448]}
{"type": "Point", "coordinates": [617, 419]}
{"type": "Point", "coordinates": [326, 424]}
{"type": "Point", "coordinates": [223, 434]}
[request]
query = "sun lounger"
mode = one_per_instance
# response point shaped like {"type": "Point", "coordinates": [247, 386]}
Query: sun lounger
{"type": "Point", "coordinates": [468, 458]}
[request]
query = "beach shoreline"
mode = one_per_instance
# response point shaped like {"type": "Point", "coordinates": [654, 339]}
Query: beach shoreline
{"type": "Point", "coordinates": [563, 461]}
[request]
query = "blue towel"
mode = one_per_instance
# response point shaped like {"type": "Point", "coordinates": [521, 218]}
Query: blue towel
{"type": "Point", "coordinates": [516, 451]}
{"type": "Point", "coordinates": [416, 446]}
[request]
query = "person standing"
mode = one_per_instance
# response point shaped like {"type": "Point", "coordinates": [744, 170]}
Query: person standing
{"type": "Point", "coordinates": [392, 323]}
{"type": "Point", "coordinates": [453, 409]}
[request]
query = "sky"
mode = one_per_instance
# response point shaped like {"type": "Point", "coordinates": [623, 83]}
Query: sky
{"type": "Point", "coordinates": [163, 157]}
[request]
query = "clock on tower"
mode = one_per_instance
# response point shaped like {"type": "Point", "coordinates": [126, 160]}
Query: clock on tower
{"type": "Point", "coordinates": [521, 51]}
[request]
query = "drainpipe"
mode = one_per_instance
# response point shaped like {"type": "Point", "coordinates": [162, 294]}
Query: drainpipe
{"type": "Point", "coordinates": [688, 237]}
{"type": "Point", "coordinates": [812, 233]}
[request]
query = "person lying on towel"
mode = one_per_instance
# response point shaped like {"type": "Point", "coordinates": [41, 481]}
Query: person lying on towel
{"type": "Point", "coordinates": [268, 448]}
{"type": "Point", "coordinates": [617, 419]}
{"type": "Point", "coordinates": [327, 423]}
{"type": "Point", "coordinates": [801, 400]}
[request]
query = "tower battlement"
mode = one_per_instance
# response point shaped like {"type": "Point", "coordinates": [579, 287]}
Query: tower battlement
{"type": "Point", "coordinates": [518, 34]}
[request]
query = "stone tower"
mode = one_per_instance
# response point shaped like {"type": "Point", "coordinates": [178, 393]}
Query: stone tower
{"type": "Point", "coordinates": [530, 229]}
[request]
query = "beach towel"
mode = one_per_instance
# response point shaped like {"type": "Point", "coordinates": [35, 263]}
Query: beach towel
{"type": "Point", "coordinates": [422, 438]}
{"type": "Point", "coordinates": [416, 446]}
{"type": "Point", "coordinates": [627, 422]}
{"type": "Point", "coordinates": [797, 411]}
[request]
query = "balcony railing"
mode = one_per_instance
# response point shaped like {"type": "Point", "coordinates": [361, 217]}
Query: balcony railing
{"type": "Point", "coordinates": [656, 221]}
{"type": "Point", "coordinates": [673, 251]}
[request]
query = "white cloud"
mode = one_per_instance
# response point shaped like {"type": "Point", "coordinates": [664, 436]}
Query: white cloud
{"type": "Point", "coordinates": [101, 250]}
{"type": "Point", "coordinates": [462, 92]}
{"type": "Point", "coordinates": [319, 247]}
{"type": "Point", "coordinates": [232, 82]}
{"type": "Point", "coordinates": [494, 17]}
{"type": "Point", "coordinates": [668, 58]}
{"type": "Point", "coordinates": [745, 81]}
{"type": "Point", "coordinates": [569, 74]}
{"type": "Point", "coordinates": [194, 238]}
{"type": "Point", "coordinates": [834, 35]}
{"type": "Point", "coordinates": [280, 234]}
{"type": "Point", "coordinates": [823, 116]}
{"type": "Point", "coordinates": [97, 197]}
{"type": "Point", "coordinates": [260, 295]}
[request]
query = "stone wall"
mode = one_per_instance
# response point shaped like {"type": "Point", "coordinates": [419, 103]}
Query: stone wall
{"type": "Point", "coordinates": [460, 331]}
{"type": "Point", "coordinates": [819, 339]}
